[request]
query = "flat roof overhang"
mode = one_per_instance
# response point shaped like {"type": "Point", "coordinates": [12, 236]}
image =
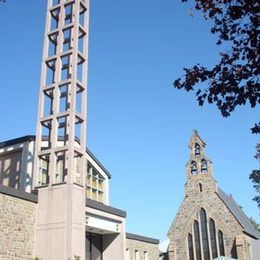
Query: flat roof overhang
{"type": "Point", "coordinates": [103, 219]}
{"type": "Point", "coordinates": [101, 225]}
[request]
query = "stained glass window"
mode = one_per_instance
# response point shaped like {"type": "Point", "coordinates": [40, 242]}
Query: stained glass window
{"type": "Point", "coordinates": [221, 243]}
{"type": "Point", "coordinates": [213, 238]}
{"type": "Point", "coordinates": [204, 234]}
{"type": "Point", "coordinates": [197, 240]}
{"type": "Point", "coordinates": [190, 244]}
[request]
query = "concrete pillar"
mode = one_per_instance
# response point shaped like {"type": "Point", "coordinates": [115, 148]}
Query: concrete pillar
{"type": "Point", "coordinates": [60, 155]}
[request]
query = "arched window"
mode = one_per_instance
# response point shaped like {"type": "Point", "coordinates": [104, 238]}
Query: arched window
{"type": "Point", "coordinates": [221, 243]}
{"type": "Point", "coordinates": [197, 240]}
{"type": "Point", "coordinates": [200, 242]}
{"type": "Point", "coordinates": [204, 167]}
{"type": "Point", "coordinates": [194, 170]}
{"type": "Point", "coordinates": [204, 234]}
{"type": "Point", "coordinates": [213, 241]}
{"type": "Point", "coordinates": [190, 244]}
{"type": "Point", "coordinates": [197, 150]}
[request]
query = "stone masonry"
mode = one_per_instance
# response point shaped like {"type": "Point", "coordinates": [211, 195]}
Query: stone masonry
{"type": "Point", "coordinates": [17, 226]}
{"type": "Point", "coordinates": [133, 246]}
{"type": "Point", "coordinates": [201, 192]}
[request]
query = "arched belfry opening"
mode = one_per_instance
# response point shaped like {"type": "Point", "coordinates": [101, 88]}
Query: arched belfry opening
{"type": "Point", "coordinates": [198, 164]}
{"type": "Point", "coordinates": [204, 166]}
{"type": "Point", "coordinates": [197, 150]}
{"type": "Point", "coordinates": [194, 170]}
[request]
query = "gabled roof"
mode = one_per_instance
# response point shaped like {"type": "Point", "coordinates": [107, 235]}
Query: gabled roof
{"type": "Point", "coordinates": [29, 138]}
{"type": "Point", "coordinates": [238, 214]}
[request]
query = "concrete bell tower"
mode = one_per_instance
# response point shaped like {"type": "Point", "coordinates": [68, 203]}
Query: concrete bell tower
{"type": "Point", "coordinates": [60, 159]}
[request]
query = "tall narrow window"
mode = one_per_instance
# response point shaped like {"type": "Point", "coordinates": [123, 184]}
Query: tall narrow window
{"type": "Point", "coordinates": [127, 253]}
{"type": "Point", "coordinates": [137, 255]}
{"type": "Point", "coordinates": [221, 243]}
{"type": "Point", "coordinates": [197, 240]}
{"type": "Point", "coordinates": [146, 257]}
{"type": "Point", "coordinates": [190, 245]}
{"type": "Point", "coordinates": [213, 238]}
{"type": "Point", "coordinates": [204, 233]}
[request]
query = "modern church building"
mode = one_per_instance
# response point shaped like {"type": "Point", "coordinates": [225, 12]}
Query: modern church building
{"type": "Point", "coordinates": [23, 215]}
{"type": "Point", "coordinates": [54, 193]}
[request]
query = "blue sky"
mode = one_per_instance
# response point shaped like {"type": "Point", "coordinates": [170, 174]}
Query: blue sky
{"type": "Point", "coordinates": [138, 125]}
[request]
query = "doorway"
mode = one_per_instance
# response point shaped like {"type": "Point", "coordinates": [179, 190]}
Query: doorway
{"type": "Point", "coordinates": [94, 246]}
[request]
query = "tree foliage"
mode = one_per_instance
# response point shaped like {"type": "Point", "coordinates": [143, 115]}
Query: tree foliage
{"type": "Point", "coordinates": [255, 177]}
{"type": "Point", "coordinates": [234, 80]}
{"type": "Point", "coordinates": [255, 224]}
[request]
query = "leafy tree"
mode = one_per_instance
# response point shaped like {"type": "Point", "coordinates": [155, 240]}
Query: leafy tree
{"type": "Point", "coordinates": [234, 80]}
{"type": "Point", "coordinates": [255, 177]}
{"type": "Point", "coordinates": [255, 224]}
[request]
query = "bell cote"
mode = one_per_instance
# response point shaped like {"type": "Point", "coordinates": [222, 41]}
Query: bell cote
{"type": "Point", "coordinates": [198, 165]}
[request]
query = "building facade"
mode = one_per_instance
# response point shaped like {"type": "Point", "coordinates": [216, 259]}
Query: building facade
{"type": "Point", "coordinates": [209, 223]}
{"type": "Point", "coordinates": [105, 237]}
{"type": "Point", "coordinates": [141, 247]}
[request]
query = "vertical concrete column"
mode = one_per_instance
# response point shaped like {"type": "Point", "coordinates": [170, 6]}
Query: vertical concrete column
{"type": "Point", "coordinates": [60, 155]}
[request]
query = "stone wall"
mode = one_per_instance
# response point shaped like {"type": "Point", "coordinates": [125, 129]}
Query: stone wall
{"type": "Point", "coordinates": [188, 212]}
{"type": "Point", "coordinates": [17, 225]}
{"type": "Point", "coordinates": [201, 192]}
{"type": "Point", "coordinates": [151, 249]}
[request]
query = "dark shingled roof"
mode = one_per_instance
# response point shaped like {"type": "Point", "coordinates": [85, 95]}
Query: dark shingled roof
{"type": "Point", "coordinates": [239, 214]}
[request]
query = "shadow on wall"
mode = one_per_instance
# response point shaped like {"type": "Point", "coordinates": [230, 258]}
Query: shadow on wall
{"type": "Point", "coordinates": [11, 174]}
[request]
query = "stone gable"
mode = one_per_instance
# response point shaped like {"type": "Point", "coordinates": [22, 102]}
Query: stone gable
{"type": "Point", "coordinates": [201, 192]}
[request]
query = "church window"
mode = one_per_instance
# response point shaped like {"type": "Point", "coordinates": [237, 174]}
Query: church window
{"type": "Point", "coordinates": [204, 234]}
{"type": "Point", "coordinates": [197, 149]}
{"type": "Point", "coordinates": [204, 167]}
{"type": "Point", "coordinates": [200, 187]}
{"type": "Point", "coordinates": [95, 184]}
{"type": "Point", "coordinates": [221, 243]}
{"type": "Point", "coordinates": [146, 257]}
{"type": "Point", "coordinates": [190, 244]}
{"type": "Point", "coordinates": [194, 170]}
{"type": "Point", "coordinates": [202, 243]}
{"type": "Point", "coordinates": [137, 255]}
{"type": "Point", "coordinates": [127, 254]}
{"type": "Point", "coordinates": [197, 240]}
{"type": "Point", "coordinates": [213, 238]}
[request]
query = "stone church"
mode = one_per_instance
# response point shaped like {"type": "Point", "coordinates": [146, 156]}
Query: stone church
{"type": "Point", "coordinates": [209, 223]}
